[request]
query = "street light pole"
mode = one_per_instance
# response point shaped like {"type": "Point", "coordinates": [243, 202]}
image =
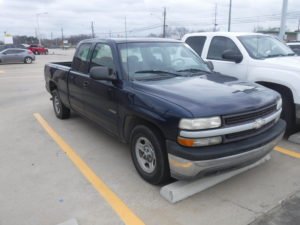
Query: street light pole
{"type": "Point", "coordinates": [229, 16]}
{"type": "Point", "coordinates": [38, 25]}
{"type": "Point", "coordinates": [283, 19]}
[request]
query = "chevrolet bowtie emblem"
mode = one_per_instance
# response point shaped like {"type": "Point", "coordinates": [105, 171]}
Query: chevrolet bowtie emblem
{"type": "Point", "coordinates": [259, 123]}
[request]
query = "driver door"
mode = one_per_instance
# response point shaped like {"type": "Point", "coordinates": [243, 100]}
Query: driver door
{"type": "Point", "coordinates": [101, 103]}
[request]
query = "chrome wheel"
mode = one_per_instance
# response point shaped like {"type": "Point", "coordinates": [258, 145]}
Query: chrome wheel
{"type": "Point", "coordinates": [145, 154]}
{"type": "Point", "coordinates": [28, 60]}
{"type": "Point", "coordinates": [57, 105]}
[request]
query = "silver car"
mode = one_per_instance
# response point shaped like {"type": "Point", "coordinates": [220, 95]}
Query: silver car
{"type": "Point", "coordinates": [16, 55]}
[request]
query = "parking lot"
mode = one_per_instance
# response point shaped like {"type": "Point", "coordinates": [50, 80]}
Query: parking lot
{"type": "Point", "coordinates": [54, 170]}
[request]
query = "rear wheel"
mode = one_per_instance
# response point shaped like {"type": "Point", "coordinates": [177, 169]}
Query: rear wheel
{"type": "Point", "coordinates": [149, 155]}
{"type": "Point", "coordinates": [36, 52]}
{"type": "Point", "coordinates": [60, 110]}
{"type": "Point", "coordinates": [28, 60]}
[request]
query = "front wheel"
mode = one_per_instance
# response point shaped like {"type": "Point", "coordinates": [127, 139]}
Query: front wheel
{"type": "Point", "coordinates": [60, 110]}
{"type": "Point", "coordinates": [28, 60]}
{"type": "Point", "coordinates": [148, 155]}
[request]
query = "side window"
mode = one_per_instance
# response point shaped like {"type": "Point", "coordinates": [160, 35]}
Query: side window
{"type": "Point", "coordinates": [196, 43]}
{"type": "Point", "coordinates": [220, 44]}
{"type": "Point", "coordinates": [10, 52]}
{"type": "Point", "coordinates": [102, 56]}
{"type": "Point", "coordinates": [81, 58]}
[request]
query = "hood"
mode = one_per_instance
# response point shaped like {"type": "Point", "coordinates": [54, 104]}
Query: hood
{"type": "Point", "coordinates": [209, 95]}
{"type": "Point", "coordinates": [284, 63]}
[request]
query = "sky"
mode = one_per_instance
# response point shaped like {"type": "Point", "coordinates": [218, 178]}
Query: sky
{"type": "Point", "coordinates": [19, 17]}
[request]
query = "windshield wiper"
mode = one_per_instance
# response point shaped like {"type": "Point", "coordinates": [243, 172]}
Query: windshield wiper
{"type": "Point", "coordinates": [158, 72]}
{"type": "Point", "coordinates": [193, 70]}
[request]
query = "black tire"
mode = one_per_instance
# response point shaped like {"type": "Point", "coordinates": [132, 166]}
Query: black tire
{"type": "Point", "coordinates": [60, 110]}
{"type": "Point", "coordinates": [28, 60]}
{"type": "Point", "coordinates": [288, 113]}
{"type": "Point", "coordinates": [36, 52]}
{"type": "Point", "coordinates": [161, 171]}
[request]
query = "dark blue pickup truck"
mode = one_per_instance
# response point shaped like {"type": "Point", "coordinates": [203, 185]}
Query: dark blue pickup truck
{"type": "Point", "coordinates": [180, 118]}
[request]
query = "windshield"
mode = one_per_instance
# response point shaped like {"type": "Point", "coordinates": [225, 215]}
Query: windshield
{"type": "Point", "coordinates": [261, 47]}
{"type": "Point", "coordinates": [160, 59]}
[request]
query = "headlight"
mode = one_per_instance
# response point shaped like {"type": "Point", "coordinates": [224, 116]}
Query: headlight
{"type": "Point", "coordinates": [279, 104]}
{"type": "Point", "coordinates": [200, 124]}
{"type": "Point", "coordinates": [199, 141]}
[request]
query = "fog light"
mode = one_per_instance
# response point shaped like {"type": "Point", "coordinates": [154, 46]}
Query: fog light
{"type": "Point", "coordinates": [200, 141]}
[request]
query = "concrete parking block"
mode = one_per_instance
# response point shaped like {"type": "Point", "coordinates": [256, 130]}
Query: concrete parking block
{"type": "Point", "coordinates": [295, 138]}
{"type": "Point", "coordinates": [181, 190]}
{"type": "Point", "coordinates": [69, 222]}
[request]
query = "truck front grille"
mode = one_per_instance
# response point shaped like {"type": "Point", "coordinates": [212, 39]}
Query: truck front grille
{"type": "Point", "coordinates": [249, 116]}
{"type": "Point", "coordinates": [246, 134]}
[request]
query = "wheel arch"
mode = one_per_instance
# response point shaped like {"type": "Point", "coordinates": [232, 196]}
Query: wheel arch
{"type": "Point", "coordinates": [278, 87]}
{"type": "Point", "coordinates": [131, 121]}
{"type": "Point", "coordinates": [52, 86]}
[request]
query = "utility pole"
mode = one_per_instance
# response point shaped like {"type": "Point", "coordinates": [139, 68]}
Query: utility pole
{"type": "Point", "coordinates": [125, 24]}
{"type": "Point", "coordinates": [229, 17]}
{"type": "Point", "coordinates": [38, 25]}
{"type": "Point", "coordinates": [216, 13]}
{"type": "Point", "coordinates": [283, 19]}
{"type": "Point", "coordinates": [51, 38]}
{"type": "Point", "coordinates": [93, 33]}
{"type": "Point", "coordinates": [62, 37]}
{"type": "Point", "coordinates": [164, 24]}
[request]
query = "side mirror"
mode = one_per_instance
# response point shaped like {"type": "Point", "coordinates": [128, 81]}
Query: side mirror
{"type": "Point", "coordinates": [232, 56]}
{"type": "Point", "coordinates": [3, 53]}
{"type": "Point", "coordinates": [102, 73]}
{"type": "Point", "coordinates": [210, 65]}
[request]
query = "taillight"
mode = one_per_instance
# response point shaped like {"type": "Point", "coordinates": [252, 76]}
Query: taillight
{"type": "Point", "coordinates": [30, 52]}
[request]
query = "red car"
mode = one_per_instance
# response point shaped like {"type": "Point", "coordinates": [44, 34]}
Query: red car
{"type": "Point", "coordinates": [38, 49]}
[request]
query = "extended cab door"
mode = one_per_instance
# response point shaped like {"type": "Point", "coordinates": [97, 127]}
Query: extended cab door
{"type": "Point", "coordinates": [220, 44]}
{"type": "Point", "coordinates": [100, 95]}
{"type": "Point", "coordinates": [78, 78]}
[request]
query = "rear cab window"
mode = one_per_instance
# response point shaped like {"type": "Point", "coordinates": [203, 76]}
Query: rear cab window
{"type": "Point", "coordinates": [196, 43]}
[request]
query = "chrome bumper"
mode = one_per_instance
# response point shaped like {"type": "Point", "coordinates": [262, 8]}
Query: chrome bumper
{"type": "Point", "coordinates": [181, 168]}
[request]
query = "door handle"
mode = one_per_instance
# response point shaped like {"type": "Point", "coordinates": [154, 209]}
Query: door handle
{"type": "Point", "coordinates": [85, 84]}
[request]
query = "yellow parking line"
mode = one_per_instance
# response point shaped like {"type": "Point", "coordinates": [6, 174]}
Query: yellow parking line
{"type": "Point", "coordinates": [287, 152]}
{"type": "Point", "coordinates": [128, 216]}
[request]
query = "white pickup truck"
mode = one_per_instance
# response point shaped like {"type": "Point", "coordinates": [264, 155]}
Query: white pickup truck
{"type": "Point", "coordinates": [254, 57]}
